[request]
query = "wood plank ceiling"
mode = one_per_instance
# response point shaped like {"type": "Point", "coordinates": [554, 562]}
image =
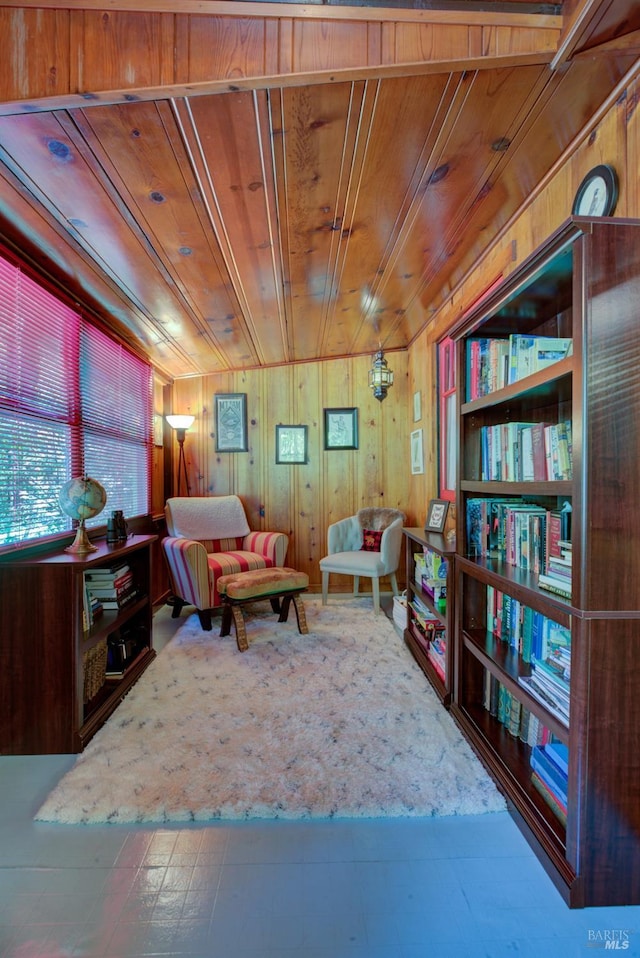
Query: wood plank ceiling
{"type": "Point", "coordinates": [247, 184]}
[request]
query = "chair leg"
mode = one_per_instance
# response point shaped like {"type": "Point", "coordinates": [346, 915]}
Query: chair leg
{"type": "Point", "coordinates": [205, 619]}
{"type": "Point", "coordinates": [375, 583]}
{"type": "Point", "coordinates": [241, 632]}
{"type": "Point", "coordinates": [394, 583]}
{"type": "Point", "coordinates": [225, 626]}
{"type": "Point", "coordinates": [325, 587]}
{"type": "Point", "coordinates": [356, 585]}
{"type": "Point", "coordinates": [301, 615]}
{"type": "Point", "coordinates": [177, 607]}
{"type": "Point", "coordinates": [284, 608]}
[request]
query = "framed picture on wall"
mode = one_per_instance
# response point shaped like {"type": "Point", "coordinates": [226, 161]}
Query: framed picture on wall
{"type": "Point", "coordinates": [231, 422]}
{"type": "Point", "coordinates": [341, 428]}
{"type": "Point", "coordinates": [291, 445]}
{"type": "Point", "coordinates": [417, 457]}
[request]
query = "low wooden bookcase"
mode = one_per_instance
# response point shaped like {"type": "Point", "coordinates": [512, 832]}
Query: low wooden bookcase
{"type": "Point", "coordinates": [46, 647]}
{"type": "Point", "coordinates": [437, 664]}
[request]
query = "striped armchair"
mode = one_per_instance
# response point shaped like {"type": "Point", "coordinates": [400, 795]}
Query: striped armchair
{"type": "Point", "coordinates": [208, 537]}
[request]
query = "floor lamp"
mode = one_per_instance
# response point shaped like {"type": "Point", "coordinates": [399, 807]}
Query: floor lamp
{"type": "Point", "coordinates": [181, 424]}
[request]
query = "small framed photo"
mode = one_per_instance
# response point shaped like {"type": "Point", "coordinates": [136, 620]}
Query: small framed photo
{"type": "Point", "coordinates": [417, 406]}
{"type": "Point", "coordinates": [417, 456]}
{"type": "Point", "coordinates": [341, 428]}
{"type": "Point", "coordinates": [436, 515]}
{"type": "Point", "coordinates": [291, 445]}
{"type": "Point", "coordinates": [231, 422]}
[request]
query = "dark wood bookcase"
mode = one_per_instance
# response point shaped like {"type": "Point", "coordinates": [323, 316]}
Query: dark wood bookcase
{"type": "Point", "coordinates": [583, 283]}
{"type": "Point", "coordinates": [45, 646]}
{"type": "Point", "coordinates": [418, 541]}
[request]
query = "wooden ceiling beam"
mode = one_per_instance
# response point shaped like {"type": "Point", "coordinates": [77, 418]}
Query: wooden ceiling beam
{"type": "Point", "coordinates": [148, 55]}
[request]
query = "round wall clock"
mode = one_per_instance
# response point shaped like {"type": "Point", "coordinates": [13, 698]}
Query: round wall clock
{"type": "Point", "coordinates": [597, 195]}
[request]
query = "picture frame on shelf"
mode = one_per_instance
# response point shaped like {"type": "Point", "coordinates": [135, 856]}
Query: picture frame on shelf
{"type": "Point", "coordinates": [341, 428]}
{"type": "Point", "coordinates": [436, 515]}
{"type": "Point", "coordinates": [417, 456]}
{"type": "Point", "coordinates": [291, 445]}
{"type": "Point", "coordinates": [231, 422]}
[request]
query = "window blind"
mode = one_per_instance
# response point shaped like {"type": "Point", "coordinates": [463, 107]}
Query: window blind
{"type": "Point", "coordinates": [72, 402]}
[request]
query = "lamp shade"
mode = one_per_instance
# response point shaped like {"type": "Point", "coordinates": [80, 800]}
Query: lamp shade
{"type": "Point", "coordinates": [180, 422]}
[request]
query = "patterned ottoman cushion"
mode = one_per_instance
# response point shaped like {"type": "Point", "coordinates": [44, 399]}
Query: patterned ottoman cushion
{"type": "Point", "coordinates": [252, 585]}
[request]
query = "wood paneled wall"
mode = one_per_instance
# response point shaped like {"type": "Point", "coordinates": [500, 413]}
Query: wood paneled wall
{"type": "Point", "coordinates": [302, 500]}
{"type": "Point", "coordinates": [614, 139]}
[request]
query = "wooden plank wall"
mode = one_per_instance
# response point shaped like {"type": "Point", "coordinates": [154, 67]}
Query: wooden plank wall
{"type": "Point", "coordinates": [615, 139]}
{"type": "Point", "coordinates": [303, 500]}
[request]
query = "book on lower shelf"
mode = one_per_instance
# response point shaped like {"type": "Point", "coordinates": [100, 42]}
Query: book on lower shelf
{"type": "Point", "coordinates": [112, 589]}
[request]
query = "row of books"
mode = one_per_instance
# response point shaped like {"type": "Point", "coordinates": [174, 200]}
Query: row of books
{"type": "Point", "coordinates": [517, 532]}
{"type": "Point", "coordinates": [534, 636]}
{"type": "Point", "coordinates": [507, 708]}
{"type": "Point", "coordinates": [493, 363]}
{"type": "Point", "coordinates": [423, 614]}
{"type": "Point", "coordinates": [550, 775]}
{"type": "Point", "coordinates": [526, 452]}
{"type": "Point", "coordinates": [106, 588]}
{"type": "Point", "coordinates": [430, 573]}
{"type": "Point", "coordinates": [549, 758]}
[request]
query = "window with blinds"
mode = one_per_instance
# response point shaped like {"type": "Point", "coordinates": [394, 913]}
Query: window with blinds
{"type": "Point", "coordinates": [73, 402]}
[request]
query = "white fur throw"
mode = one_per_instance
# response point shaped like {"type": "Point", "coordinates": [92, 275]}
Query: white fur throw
{"type": "Point", "coordinates": [206, 517]}
{"type": "Point", "coordinates": [378, 519]}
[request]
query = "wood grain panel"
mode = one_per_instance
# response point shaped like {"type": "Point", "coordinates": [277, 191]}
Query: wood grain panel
{"type": "Point", "coordinates": [159, 185]}
{"type": "Point", "coordinates": [302, 500]}
{"type": "Point", "coordinates": [37, 63]}
{"type": "Point", "coordinates": [238, 183]}
{"type": "Point", "coordinates": [134, 45]}
{"type": "Point", "coordinates": [229, 47]}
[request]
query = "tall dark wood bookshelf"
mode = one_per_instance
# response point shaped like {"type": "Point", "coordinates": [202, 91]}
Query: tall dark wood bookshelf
{"type": "Point", "coordinates": [584, 283]}
{"type": "Point", "coordinates": [46, 646]}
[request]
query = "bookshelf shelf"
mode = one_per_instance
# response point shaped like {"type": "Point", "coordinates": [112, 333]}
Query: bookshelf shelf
{"type": "Point", "coordinates": [46, 704]}
{"type": "Point", "coordinates": [437, 668]}
{"type": "Point", "coordinates": [581, 285]}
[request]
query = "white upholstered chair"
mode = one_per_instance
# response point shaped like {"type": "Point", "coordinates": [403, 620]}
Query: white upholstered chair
{"type": "Point", "coordinates": [209, 536]}
{"type": "Point", "coordinates": [367, 544]}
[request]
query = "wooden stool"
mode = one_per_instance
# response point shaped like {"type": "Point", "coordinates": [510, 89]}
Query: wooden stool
{"type": "Point", "coordinates": [238, 588]}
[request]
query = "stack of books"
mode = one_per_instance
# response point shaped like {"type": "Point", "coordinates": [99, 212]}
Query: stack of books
{"type": "Point", "coordinates": [550, 775]}
{"type": "Point", "coordinates": [557, 575]}
{"type": "Point", "coordinates": [112, 586]}
{"type": "Point", "coordinates": [549, 683]}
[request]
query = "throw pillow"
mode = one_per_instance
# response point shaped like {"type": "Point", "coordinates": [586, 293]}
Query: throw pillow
{"type": "Point", "coordinates": [371, 540]}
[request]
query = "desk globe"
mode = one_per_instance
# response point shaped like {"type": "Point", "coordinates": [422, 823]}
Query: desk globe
{"type": "Point", "coordinates": [82, 498]}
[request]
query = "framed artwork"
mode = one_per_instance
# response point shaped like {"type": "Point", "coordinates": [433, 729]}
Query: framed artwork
{"type": "Point", "coordinates": [231, 422]}
{"type": "Point", "coordinates": [417, 406]}
{"type": "Point", "coordinates": [291, 445]}
{"type": "Point", "coordinates": [417, 458]}
{"type": "Point", "coordinates": [436, 515]}
{"type": "Point", "coordinates": [341, 428]}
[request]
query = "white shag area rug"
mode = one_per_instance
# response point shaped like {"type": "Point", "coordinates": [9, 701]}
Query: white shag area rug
{"type": "Point", "coordinates": [339, 723]}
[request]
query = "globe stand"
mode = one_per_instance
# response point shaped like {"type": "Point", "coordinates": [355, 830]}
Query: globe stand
{"type": "Point", "coordinates": [81, 545]}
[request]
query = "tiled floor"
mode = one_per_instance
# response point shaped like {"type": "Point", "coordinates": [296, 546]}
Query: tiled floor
{"type": "Point", "coordinates": [457, 887]}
